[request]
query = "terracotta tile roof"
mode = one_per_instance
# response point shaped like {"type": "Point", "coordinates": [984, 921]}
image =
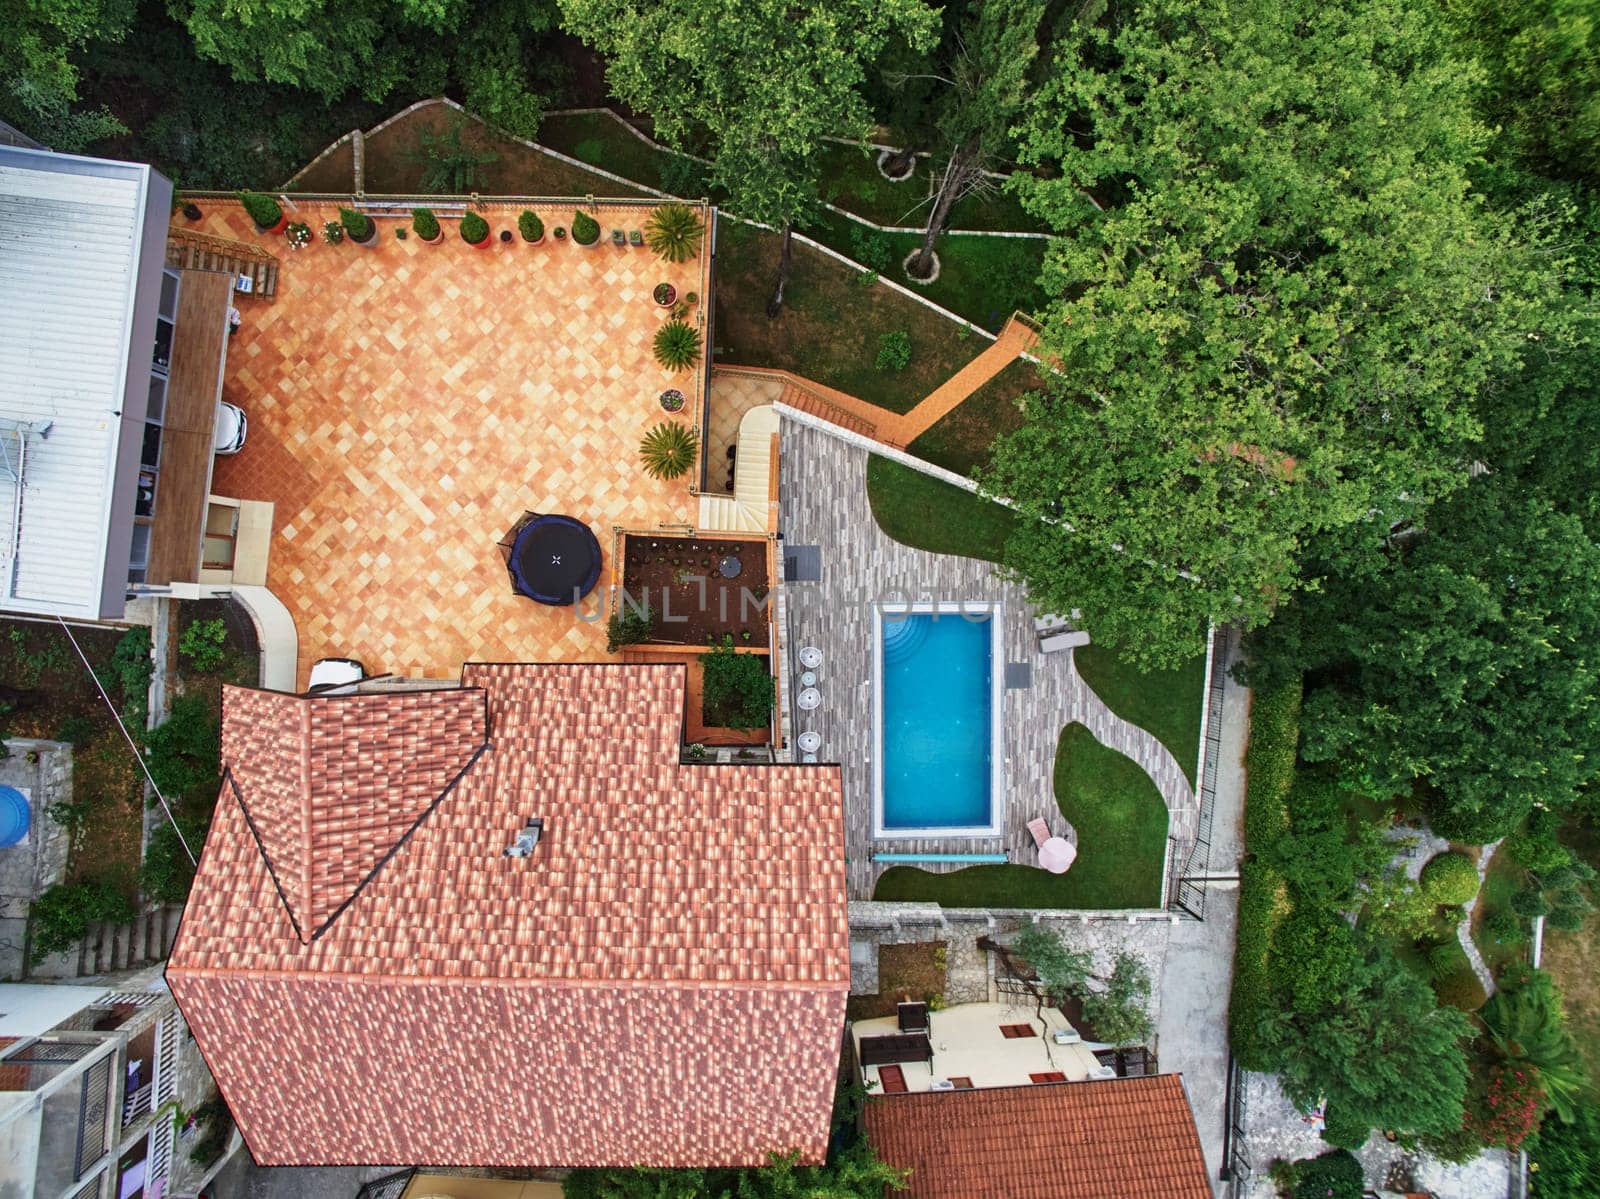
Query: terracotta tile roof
{"type": "Point", "coordinates": [331, 784]}
{"type": "Point", "coordinates": [677, 927]}
{"type": "Point", "coordinates": [1132, 1138]}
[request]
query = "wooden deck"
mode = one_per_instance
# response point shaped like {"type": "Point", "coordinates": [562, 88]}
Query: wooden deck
{"type": "Point", "coordinates": [199, 346]}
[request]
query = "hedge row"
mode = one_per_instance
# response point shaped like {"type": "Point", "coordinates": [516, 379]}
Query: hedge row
{"type": "Point", "coordinates": [1263, 896]}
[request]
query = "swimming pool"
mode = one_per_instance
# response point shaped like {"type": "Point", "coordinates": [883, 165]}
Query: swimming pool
{"type": "Point", "coordinates": [937, 719]}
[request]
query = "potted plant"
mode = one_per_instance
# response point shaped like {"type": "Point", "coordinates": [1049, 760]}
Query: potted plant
{"type": "Point", "coordinates": [191, 211]}
{"type": "Point", "coordinates": [363, 230]}
{"type": "Point", "coordinates": [561, 233]}
{"type": "Point", "coordinates": [332, 232]}
{"type": "Point", "coordinates": [668, 449]}
{"type": "Point", "coordinates": [299, 235]}
{"type": "Point", "coordinates": [619, 239]}
{"type": "Point", "coordinates": [677, 345]}
{"type": "Point", "coordinates": [672, 400]}
{"type": "Point", "coordinates": [665, 294]}
{"type": "Point", "coordinates": [531, 227]}
{"type": "Point", "coordinates": [673, 231]}
{"type": "Point", "coordinates": [264, 211]}
{"type": "Point", "coordinates": [426, 226]}
{"type": "Point", "coordinates": [692, 298]}
{"type": "Point", "coordinates": [585, 229]}
{"type": "Point", "coordinates": [474, 230]}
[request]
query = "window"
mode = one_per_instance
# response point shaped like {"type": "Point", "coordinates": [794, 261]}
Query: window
{"type": "Point", "coordinates": [1012, 1031]}
{"type": "Point", "coordinates": [961, 1082]}
{"type": "Point", "coordinates": [1048, 1076]}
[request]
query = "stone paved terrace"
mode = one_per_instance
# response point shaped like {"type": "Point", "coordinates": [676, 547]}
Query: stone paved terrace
{"type": "Point", "coordinates": [824, 503]}
{"type": "Point", "coordinates": [408, 402]}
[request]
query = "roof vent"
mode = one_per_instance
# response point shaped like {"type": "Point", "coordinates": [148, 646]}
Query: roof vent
{"type": "Point", "coordinates": [526, 839]}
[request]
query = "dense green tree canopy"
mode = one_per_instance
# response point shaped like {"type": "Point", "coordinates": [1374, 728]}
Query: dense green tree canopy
{"type": "Point", "coordinates": [1280, 300]}
{"type": "Point", "coordinates": [39, 71]}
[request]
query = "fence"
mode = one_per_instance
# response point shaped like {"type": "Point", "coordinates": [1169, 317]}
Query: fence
{"type": "Point", "coordinates": [1186, 885]}
{"type": "Point", "coordinates": [1236, 1167]}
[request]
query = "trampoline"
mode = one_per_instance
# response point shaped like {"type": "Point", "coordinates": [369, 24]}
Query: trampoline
{"type": "Point", "coordinates": [554, 560]}
{"type": "Point", "coordinates": [15, 816]}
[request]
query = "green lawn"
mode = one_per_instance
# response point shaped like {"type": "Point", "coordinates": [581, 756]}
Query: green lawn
{"type": "Point", "coordinates": [961, 441]}
{"type": "Point", "coordinates": [1573, 959]}
{"type": "Point", "coordinates": [1164, 702]}
{"type": "Point", "coordinates": [852, 182]}
{"type": "Point", "coordinates": [1501, 881]}
{"type": "Point", "coordinates": [830, 325]}
{"type": "Point", "coordinates": [600, 141]}
{"type": "Point", "coordinates": [1122, 842]}
{"type": "Point", "coordinates": [932, 515]}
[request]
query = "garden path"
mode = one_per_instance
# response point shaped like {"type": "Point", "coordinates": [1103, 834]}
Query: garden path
{"type": "Point", "coordinates": [1464, 926]}
{"type": "Point", "coordinates": [1015, 339]}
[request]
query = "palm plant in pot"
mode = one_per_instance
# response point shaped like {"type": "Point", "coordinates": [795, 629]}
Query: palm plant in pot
{"type": "Point", "coordinates": [531, 227]}
{"type": "Point", "coordinates": [667, 451]}
{"type": "Point", "coordinates": [359, 227]}
{"type": "Point", "coordinates": [264, 211]}
{"type": "Point", "coordinates": [474, 230]}
{"type": "Point", "coordinates": [426, 226]}
{"type": "Point", "coordinates": [677, 345]}
{"type": "Point", "coordinates": [673, 232]}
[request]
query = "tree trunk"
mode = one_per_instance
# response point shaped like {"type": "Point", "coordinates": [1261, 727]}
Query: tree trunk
{"type": "Point", "coordinates": [775, 305]}
{"type": "Point", "coordinates": [953, 182]}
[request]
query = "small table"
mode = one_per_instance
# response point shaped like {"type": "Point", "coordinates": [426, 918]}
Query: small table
{"type": "Point", "coordinates": [1057, 854]}
{"type": "Point", "coordinates": [729, 567]}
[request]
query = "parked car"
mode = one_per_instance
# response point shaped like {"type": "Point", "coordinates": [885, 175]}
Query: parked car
{"type": "Point", "coordinates": [231, 429]}
{"type": "Point", "coordinates": [335, 676]}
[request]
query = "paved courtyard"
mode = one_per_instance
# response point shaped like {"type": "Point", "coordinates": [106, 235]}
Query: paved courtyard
{"type": "Point", "coordinates": [408, 402]}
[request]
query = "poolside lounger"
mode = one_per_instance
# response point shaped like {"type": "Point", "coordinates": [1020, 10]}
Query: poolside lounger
{"type": "Point", "coordinates": [1061, 641]}
{"type": "Point", "coordinates": [1040, 830]}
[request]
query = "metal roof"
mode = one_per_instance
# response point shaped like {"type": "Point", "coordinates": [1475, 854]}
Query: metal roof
{"type": "Point", "coordinates": [82, 243]}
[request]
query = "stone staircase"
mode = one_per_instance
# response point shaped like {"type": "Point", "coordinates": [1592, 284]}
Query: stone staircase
{"type": "Point", "coordinates": [143, 941]}
{"type": "Point", "coordinates": [189, 250]}
{"type": "Point", "coordinates": [749, 509]}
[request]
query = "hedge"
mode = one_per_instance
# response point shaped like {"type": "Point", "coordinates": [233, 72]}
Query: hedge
{"type": "Point", "coordinates": [1263, 896]}
{"type": "Point", "coordinates": [1450, 879]}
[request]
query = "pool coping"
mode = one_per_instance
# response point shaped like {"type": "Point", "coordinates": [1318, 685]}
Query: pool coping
{"type": "Point", "coordinates": [959, 609]}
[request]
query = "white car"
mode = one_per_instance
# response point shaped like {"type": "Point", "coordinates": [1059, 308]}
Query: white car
{"type": "Point", "coordinates": [231, 429]}
{"type": "Point", "coordinates": [335, 676]}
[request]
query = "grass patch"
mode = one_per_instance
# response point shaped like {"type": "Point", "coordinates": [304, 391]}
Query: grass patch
{"type": "Point", "coordinates": [600, 141]}
{"type": "Point", "coordinates": [1166, 703]}
{"type": "Point", "coordinates": [1122, 839]}
{"type": "Point", "coordinates": [962, 440]}
{"type": "Point", "coordinates": [829, 328]}
{"type": "Point", "coordinates": [1573, 960]}
{"type": "Point", "coordinates": [929, 514]}
{"type": "Point", "coordinates": [851, 181]}
{"type": "Point", "coordinates": [1500, 882]}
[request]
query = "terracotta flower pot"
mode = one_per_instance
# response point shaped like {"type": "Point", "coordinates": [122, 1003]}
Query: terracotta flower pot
{"type": "Point", "coordinates": [435, 239]}
{"type": "Point", "coordinates": [283, 219]}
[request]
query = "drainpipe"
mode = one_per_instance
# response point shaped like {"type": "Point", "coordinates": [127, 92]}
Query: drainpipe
{"type": "Point", "coordinates": [16, 512]}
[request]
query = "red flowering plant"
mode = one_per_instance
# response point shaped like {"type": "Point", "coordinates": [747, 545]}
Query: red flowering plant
{"type": "Point", "coordinates": [1510, 1109]}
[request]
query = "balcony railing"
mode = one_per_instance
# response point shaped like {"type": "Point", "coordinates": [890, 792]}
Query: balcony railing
{"type": "Point", "coordinates": [136, 1103]}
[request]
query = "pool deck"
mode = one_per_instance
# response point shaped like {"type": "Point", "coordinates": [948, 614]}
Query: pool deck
{"type": "Point", "coordinates": [824, 503]}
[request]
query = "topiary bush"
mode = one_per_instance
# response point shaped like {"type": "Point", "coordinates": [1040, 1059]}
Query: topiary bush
{"type": "Point", "coordinates": [263, 210]}
{"type": "Point", "coordinates": [357, 224]}
{"type": "Point", "coordinates": [61, 915]}
{"type": "Point", "coordinates": [585, 229]}
{"type": "Point", "coordinates": [1345, 1128]}
{"type": "Point", "coordinates": [530, 226]}
{"type": "Point", "coordinates": [425, 223]}
{"type": "Point", "coordinates": [474, 229]}
{"type": "Point", "coordinates": [1450, 879]}
{"type": "Point", "coordinates": [677, 345]}
{"type": "Point", "coordinates": [1334, 1175]}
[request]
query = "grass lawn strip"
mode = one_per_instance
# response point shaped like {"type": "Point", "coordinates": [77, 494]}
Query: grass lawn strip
{"type": "Point", "coordinates": [1573, 959]}
{"type": "Point", "coordinates": [961, 441]}
{"type": "Point", "coordinates": [1165, 703]}
{"type": "Point", "coordinates": [1122, 838]}
{"type": "Point", "coordinates": [600, 141]}
{"type": "Point", "coordinates": [930, 514]}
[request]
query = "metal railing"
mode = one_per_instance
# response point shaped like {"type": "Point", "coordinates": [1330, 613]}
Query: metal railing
{"type": "Point", "coordinates": [1187, 880]}
{"type": "Point", "coordinates": [390, 1186]}
{"type": "Point", "coordinates": [1236, 1166]}
{"type": "Point", "coordinates": [94, 1100]}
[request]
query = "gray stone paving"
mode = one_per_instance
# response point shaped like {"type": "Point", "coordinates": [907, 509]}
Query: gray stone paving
{"type": "Point", "coordinates": [42, 771]}
{"type": "Point", "coordinates": [824, 502]}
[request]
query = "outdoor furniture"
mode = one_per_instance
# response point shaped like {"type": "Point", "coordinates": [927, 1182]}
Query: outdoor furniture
{"type": "Point", "coordinates": [1060, 641]}
{"type": "Point", "coordinates": [811, 657]}
{"type": "Point", "coordinates": [912, 1017]}
{"type": "Point", "coordinates": [1057, 855]}
{"type": "Point", "coordinates": [810, 741]}
{"type": "Point", "coordinates": [729, 567]}
{"type": "Point", "coordinates": [552, 559]}
{"type": "Point", "coordinates": [810, 700]}
{"type": "Point", "coordinates": [1040, 830]}
{"type": "Point", "coordinates": [893, 1048]}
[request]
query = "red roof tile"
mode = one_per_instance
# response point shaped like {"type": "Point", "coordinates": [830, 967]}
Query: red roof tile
{"type": "Point", "coordinates": [1132, 1138]}
{"type": "Point", "coordinates": [662, 982]}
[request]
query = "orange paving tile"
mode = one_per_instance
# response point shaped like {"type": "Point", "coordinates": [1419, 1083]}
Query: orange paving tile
{"type": "Point", "coordinates": [407, 403]}
{"type": "Point", "coordinates": [1014, 339]}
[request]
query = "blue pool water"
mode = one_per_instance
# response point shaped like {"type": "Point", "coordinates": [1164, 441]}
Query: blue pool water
{"type": "Point", "coordinates": [937, 731]}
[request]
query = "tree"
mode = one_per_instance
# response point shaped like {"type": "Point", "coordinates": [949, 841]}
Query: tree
{"type": "Point", "coordinates": [1325, 855]}
{"type": "Point", "coordinates": [763, 80]}
{"type": "Point", "coordinates": [1277, 304]}
{"type": "Point", "coordinates": [1116, 1004]}
{"type": "Point", "coordinates": [39, 72]}
{"type": "Point", "coordinates": [1377, 1046]}
{"type": "Point", "coordinates": [1525, 1026]}
{"type": "Point", "coordinates": [855, 1173]}
{"type": "Point", "coordinates": [738, 690]}
{"type": "Point", "coordinates": [1465, 659]}
{"type": "Point", "coordinates": [1566, 1157]}
{"type": "Point", "coordinates": [984, 67]}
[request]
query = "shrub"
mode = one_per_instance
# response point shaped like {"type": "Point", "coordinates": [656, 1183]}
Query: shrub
{"type": "Point", "coordinates": [739, 690]}
{"type": "Point", "coordinates": [530, 226]}
{"type": "Point", "coordinates": [1313, 952]}
{"type": "Point", "coordinates": [425, 223]}
{"type": "Point", "coordinates": [357, 224]}
{"type": "Point", "coordinates": [298, 234]}
{"type": "Point", "coordinates": [871, 248]}
{"type": "Point", "coordinates": [677, 345]}
{"type": "Point", "coordinates": [668, 450]}
{"type": "Point", "coordinates": [673, 231]}
{"type": "Point", "coordinates": [1345, 1127]}
{"type": "Point", "coordinates": [129, 676]}
{"type": "Point", "coordinates": [1509, 1113]}
{"type": "Point", "coordinates": [585, 229]}
{"type": "Point", "coordinates": [332, 232]}
{"type": "Point", "coordinates": [204, 644]}
{"type": "Point", "coordinates": [1504, 928]}
{"type": "Point", "coordinates": [894, 352]}
{"type": "Point", "coordinates": [185, 752]}
{"type": "Point", "coordinates": [61, 915]}
{"type": "Point", "coordinates": [1334, 1175]}
{"type": "Point", "coordinates": [474, 229]}
{"type": "Point", "coordinates": [1450, 879]}
{"type": "Point", "coordinates": [1460, 988]}
{"type": "Point", "coordinates": [167, 874]}
{"type": "Point", "coordinates": [1566, 1157]}
{"type": "Point", "coordinates": [627, 627]}
{"type": "Point", "coordinates": [263, 210]}
{"type": "Point", "coordinates": [75, 728]}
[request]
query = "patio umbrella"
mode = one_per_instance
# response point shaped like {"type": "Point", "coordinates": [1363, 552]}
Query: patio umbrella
{"type": "Point", "coordinates": [1057, 854]}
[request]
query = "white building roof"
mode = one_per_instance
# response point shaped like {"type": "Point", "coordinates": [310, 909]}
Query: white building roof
{"type": "Point", "coordinates": [82, 242]}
